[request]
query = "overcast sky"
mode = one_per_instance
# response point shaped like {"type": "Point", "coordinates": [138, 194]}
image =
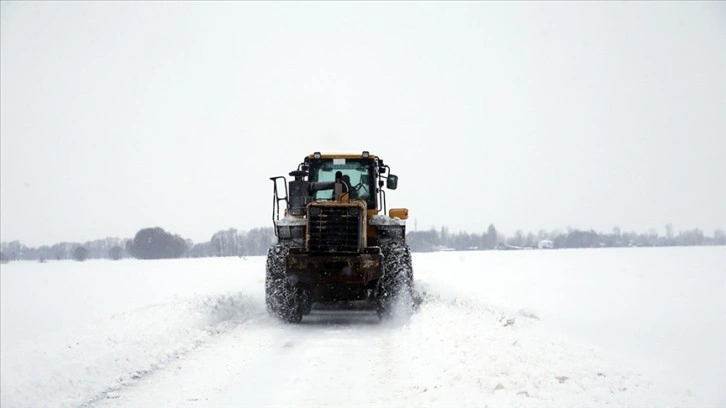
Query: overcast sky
{"type": "Point", "coordinates": [125, 115]}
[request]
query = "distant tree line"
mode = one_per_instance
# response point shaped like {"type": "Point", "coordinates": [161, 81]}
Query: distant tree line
{"type": "Point", "coordinates": [442, 239]}
{"type": "Point", "coordinates": [233, 243]}
{"type": "Point", "coordinates": [156, 243]}
{"type": "Point", "coordinates": [111, 248]}
{"type": "Point", "coordinates": [436, 240]}
{"type": "Point", "coordinates": [148, 243]}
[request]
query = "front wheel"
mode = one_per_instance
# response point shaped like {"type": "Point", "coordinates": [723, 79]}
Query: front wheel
{"type": "Point", "coordinates": [394, 294]}
{"type": "Point", "coordinates": [282, 298]}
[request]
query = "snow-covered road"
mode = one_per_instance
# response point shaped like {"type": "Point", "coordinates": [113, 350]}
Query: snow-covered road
{"type": "Point", "coordinates": [203, 338]}
{"type": "Point", "coordinates": [449, 354]}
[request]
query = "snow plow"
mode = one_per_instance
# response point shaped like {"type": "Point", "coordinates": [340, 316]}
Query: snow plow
{"type": "Point", "coordinates": [335, 242]}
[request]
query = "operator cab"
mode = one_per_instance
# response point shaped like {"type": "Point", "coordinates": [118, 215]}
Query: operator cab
{"type": "Point", "coordinates": [358, 174]}
{"type": "Point", "coordinates": [315, 180]}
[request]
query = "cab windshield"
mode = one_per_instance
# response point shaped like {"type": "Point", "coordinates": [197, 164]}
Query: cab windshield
{"type": "Point", "coordinates": [357, 174]}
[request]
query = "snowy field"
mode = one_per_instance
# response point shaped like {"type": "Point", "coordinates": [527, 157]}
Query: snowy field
{"type": "Point", "coordinates": [564, 328]}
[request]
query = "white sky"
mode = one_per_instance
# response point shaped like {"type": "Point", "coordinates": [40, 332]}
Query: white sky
{"type": "Point", "coordinates": [124, 115]}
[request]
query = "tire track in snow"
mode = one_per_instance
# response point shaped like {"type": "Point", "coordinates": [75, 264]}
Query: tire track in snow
{"type": "Point", "coordinates": [264, 362]}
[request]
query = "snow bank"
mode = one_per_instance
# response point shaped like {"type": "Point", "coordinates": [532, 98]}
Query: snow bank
{"type": "Point", "coordinates": [659, 310]}
{"type": "Point", "coordinates": [476, 354]}
{"type": "Point", "coordinates": [73, 369]}
{"type": "Point", "coordinates": [72, 330]}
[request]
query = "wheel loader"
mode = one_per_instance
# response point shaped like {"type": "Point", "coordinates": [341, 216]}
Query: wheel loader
{"type": "Point", "coordinates": [335, 242]}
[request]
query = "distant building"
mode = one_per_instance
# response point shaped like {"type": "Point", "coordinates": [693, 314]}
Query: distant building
{"type": "Point", "coordinates": [545, 244]}
{"type": "Point", "coordinates": [443, 248]}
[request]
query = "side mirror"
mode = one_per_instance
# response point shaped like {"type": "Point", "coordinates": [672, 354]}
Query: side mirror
{"type": "Point", "coordinates": [392, 182]}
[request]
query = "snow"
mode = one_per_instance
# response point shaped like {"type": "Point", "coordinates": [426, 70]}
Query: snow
{"type": "Point", "coordinates": [380, 219]}
{"type": "Point", "coordinates": [623, 327]}
{"type": "Point", "coordinates": [291, 221]}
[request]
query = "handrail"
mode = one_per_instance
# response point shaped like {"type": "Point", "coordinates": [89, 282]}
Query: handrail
{"type": "Point", "coordinates": [276, 199]}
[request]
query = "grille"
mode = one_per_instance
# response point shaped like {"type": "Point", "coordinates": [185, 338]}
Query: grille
{"type": "Point", "coordinates": [334, 229]}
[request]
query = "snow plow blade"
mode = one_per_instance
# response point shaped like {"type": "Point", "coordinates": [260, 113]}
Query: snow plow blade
{"type": "Point", "coordinates": [331, 278]}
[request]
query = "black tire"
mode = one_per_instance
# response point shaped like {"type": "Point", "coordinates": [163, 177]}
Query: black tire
{"type": "Point", "coordinates": [394, 294]}
{"type": "Point", "coordinates": [306, 302]}
{"type": "Point", "coordinates": [282, 298]}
